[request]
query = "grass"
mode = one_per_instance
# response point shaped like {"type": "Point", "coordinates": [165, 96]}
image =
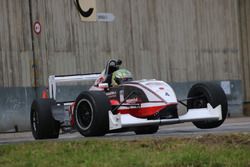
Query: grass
{"type": "Point", "coordinates": [209, 150]}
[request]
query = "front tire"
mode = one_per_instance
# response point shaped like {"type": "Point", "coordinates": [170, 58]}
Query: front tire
{"type": "Point", "coordinates": [210, 93]}
{"type": "Point", "coordinates": [43, 125]}
{"type": "Point", "coordinates": [91, 113]}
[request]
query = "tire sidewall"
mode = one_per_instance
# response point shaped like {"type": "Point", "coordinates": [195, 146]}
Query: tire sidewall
{"type": "Point", "coordinates": [100, 106]}
{"type": "Point", "coordinates": [47, 126]}
{"type": "Point", "coordinates": [85, 131]}
{"type": "Point", "coordinates": [215, 96]}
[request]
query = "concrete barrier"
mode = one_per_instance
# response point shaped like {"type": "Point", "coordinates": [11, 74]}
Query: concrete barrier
{"type": "Point", "coordinates": [15, 107]}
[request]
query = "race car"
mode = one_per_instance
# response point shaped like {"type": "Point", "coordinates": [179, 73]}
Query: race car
{"type": "Point", "coordinates": [117, 103]}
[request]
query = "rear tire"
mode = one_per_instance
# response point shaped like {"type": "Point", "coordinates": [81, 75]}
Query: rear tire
{"type": "Point", "coordinates": [91, 113]}
{"type": "Point", "coordinates": [211, 93]}
{"type": "Point", "coordinates": [147, 130]}
{"type": "Point", "coordinates": [43, 125]}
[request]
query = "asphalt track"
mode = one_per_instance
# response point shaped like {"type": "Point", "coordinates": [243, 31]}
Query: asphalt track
{"type": "Point", "coordinates": [231, 125]}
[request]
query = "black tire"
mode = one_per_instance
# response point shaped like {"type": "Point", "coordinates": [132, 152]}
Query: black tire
{"type": "Point", "coordinates": [91, 113]}
{"type": "Point", "coordinates": [211, 93]}
{"type": "Point", "coordinates": [43, 125]}
{"type": "Point", "coordinates": [147, 130]}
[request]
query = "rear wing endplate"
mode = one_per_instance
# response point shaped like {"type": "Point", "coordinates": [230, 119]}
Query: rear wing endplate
{"type": "Point", "coordinates": [54, 79]}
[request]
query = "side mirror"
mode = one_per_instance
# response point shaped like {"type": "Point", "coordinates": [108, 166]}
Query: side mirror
{"type": "Point", "coordinates": [103, 85]}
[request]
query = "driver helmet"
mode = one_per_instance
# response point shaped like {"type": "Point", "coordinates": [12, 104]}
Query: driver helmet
{"type": "Point", "coordinates": [120, 76]}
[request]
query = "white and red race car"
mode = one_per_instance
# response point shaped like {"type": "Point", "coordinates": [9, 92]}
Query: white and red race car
{"type": "Point", "coordinates": [140, 106]}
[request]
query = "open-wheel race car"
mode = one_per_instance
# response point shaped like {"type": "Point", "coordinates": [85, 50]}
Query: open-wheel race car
{"type": "Point", "coordinates": [117, 103]}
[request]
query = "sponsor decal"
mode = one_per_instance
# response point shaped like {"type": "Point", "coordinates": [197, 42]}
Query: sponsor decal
{"type": "Point", "coordinates": [111, 94]}
{"type": "Point", "coordinates": [133, 100]}
{"type": "Point", "coordinates": [167, 94]}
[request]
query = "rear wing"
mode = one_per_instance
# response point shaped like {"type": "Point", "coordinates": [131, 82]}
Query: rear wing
{"type": "Point", "coordinates": [54, 79]}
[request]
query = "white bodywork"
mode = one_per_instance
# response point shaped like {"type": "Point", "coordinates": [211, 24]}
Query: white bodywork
{"type": "Point", "coordinates": [156, 90]}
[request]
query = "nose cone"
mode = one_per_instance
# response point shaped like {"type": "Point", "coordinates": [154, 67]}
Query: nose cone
{"type": "Point", "coordinates": [162, 90]}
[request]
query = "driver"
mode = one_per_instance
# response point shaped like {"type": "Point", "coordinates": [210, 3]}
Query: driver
{"type": "Point", "coordinates": [120, 76]}
{"type": "Point", "coordinates": [112, 75]}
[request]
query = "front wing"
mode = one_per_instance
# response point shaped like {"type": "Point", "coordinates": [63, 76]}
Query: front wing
{"type": "Point", "coordinates": [201, 114]}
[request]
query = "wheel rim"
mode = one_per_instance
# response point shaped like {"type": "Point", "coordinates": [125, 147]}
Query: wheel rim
{"type": "Point", "coordinates": [84, 114]}
{"type": "Point", "coordinates": [34, 120]}
{"type": "Point", "coordinates": [199, 103]}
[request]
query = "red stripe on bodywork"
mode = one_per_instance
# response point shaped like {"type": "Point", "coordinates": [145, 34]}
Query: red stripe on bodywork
{"type": "Point", "coordinates": [114, 102]}
{"type": "Point", "coordinates": [142, 112]}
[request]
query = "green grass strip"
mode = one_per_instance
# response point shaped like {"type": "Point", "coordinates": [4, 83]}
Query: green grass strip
{"type": "Point", "coordinates": [209, 150]}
